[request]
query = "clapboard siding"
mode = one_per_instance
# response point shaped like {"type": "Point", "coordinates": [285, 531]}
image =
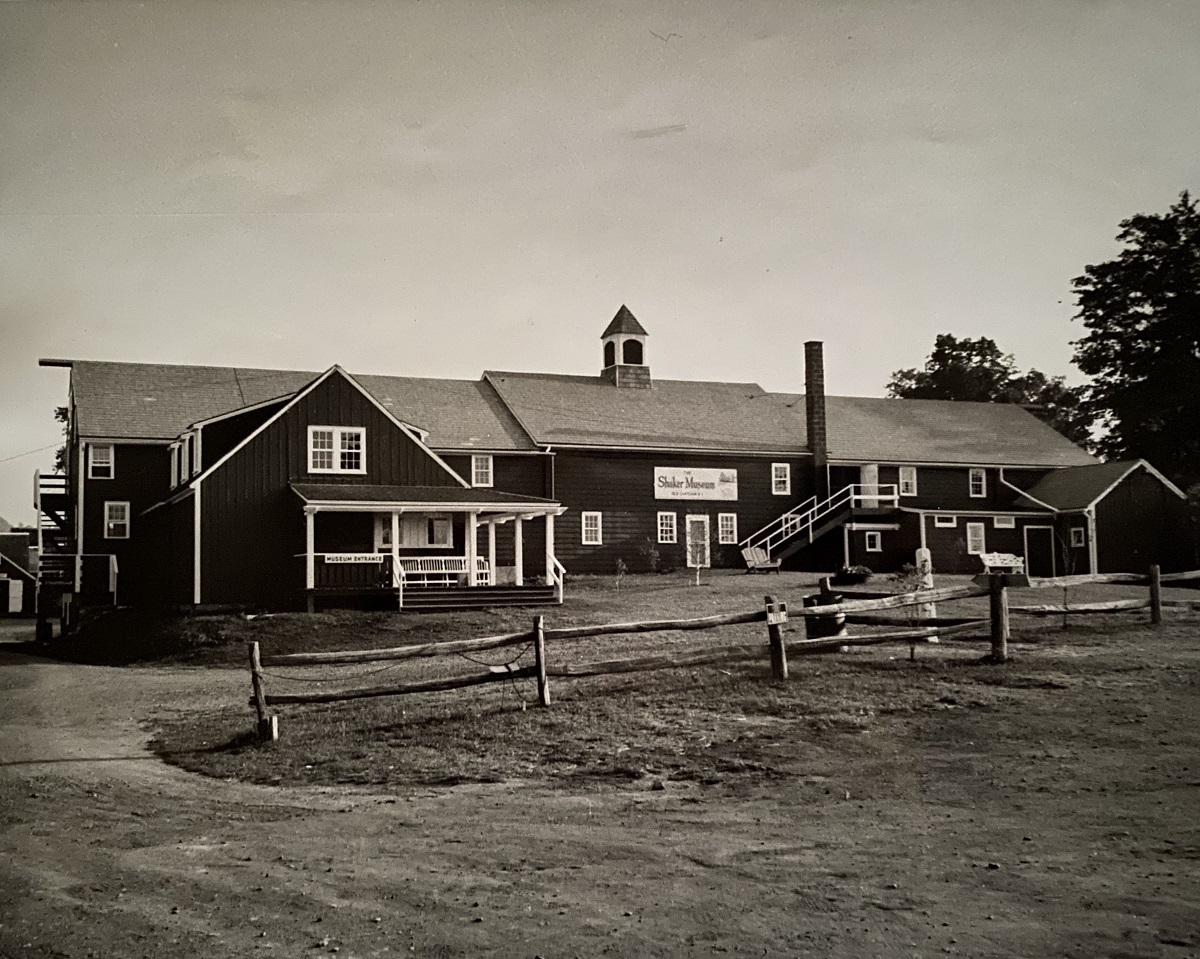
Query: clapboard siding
{"type": "Point", "coordinates": [252, 523]}
{"type": "Point", "coordinates": [620, 485]}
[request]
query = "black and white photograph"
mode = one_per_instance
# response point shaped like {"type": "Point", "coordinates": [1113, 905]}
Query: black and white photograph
{"type": "Point", "coordinates": [539, 479]}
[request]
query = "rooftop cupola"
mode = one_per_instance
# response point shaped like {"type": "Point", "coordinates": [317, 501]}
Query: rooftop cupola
{"type": "Point", "coordinates": [625, 352]}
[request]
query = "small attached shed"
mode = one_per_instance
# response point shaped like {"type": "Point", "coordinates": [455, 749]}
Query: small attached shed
{"type": "Point", "coordinates": [1114, 518]}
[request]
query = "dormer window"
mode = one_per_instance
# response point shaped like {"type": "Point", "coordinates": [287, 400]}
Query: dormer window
{"type": "Point", "coordinates": [336, 449]}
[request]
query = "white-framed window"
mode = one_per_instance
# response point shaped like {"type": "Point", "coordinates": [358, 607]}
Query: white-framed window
{"type": "Point", "coordinates": [193, 467]}
{"type": "Point", "coordinates": [1004, 522]}
{"type": "Point", "coordinates": [975, 539]}
{"type": "Point", "coordinates": [1078, 537]}
{"type": "Point", "coordinates": [383, 532]}
{"type": "Point", "coordinates": [667, 530]}
{"type": "Point", "coordinates": [116, 520]}
{"type": "Point", "coordinates": [946, 522]}
{"type": "Point", "coordinates": [977, 483]}
{"type": "Point", "coordinates": [727, 528]}
{"type": "Point", "coordinates": [174, 465]}
{"type": "Point", "coordinates": [874, 541]}
{"type": "Point", "coordinates": [781, 479]}
{"type": "Point", "coordinates": [336, 449]}
{"type": "Point", "coordinates": [593, 529]}
{"type": "Point", "coordinates": [481, 469]}
{"type": "Point", "coordinates": [100, 461]}
{"type": "Point", "coordinates": [908, 481]}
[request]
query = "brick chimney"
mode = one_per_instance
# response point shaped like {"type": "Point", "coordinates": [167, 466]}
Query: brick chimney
{"type": "Point", "coordinates": [814, 408]}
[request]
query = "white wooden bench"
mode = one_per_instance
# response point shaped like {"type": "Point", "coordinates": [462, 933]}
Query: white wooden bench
{"type": "Point", "coordinates": [757, 560]}
{"type": "Point", "coordinates": [441, 570]}
{"type": "Point", "coordinates": [1002, 563]}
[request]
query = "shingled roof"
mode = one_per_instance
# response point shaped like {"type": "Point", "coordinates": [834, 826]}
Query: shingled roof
{"type": "Point", "coordinates": [870, 429]}
{"type": "Point", "coordinates": [153, 401]}
{"type": "Point", "coordinates": [624, 322]}
{"type": "Point", "coordinates": [558, 409]}
{"type": "Point", "coordinates": [1079, 487]}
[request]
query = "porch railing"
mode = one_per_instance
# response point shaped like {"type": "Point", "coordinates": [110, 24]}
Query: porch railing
{"type": "Point", "coordinates": [809, 514]}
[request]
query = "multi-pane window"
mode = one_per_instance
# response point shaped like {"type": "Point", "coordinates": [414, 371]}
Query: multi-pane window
{"type": "Point", "coordinates": [945, 521]}
{"type": "Point", "coordinates": [100, 462]}
{"type": "Point", "coordinates": [1077, 536]}
{"type": "Point", "coordinates": [1004, 522]}
{"type": "Point", "coordinates": [481, 470]}
{"type": "Point", "coordinates": [440, 531]}
{"type": "Point", "coordinates": [874, 541]}
{"type": "Point", "coordinates": [975, 539]}
{"type": "Point", "coordinates": [781, 479]}
{"type": "Point", "coordinates": [593, 532]}
{"type": "Point", "coordinates": [336, 449]}
{"type": "Point", "coordinates": [174, 464]}
{"type": "Point", "coordinates": [977, 483]}
{"type": "Point", "coordinates": [667, 532]}
{"type": "Point", "coordinates": [727, 528]}
{"type": "Point", "coordinates": [116, 520]}
{"type": "Point", "coordinates": [908, 481]}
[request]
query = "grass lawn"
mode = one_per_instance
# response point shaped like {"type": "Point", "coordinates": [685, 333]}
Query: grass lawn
{"type": "Point", "coordinates": [708, 726]}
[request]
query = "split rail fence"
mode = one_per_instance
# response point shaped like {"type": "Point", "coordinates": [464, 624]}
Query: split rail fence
{"type": "Point", "coordinates": [774, 614]}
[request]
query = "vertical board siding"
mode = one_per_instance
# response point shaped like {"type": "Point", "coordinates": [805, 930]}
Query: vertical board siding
{"type": "Point", "coordinates": [620, 485]}
{"type": "Point", "coordinates": [219, 438]}
{"type": "Point", "coordinates": [252, 523]}
{"type": "Point", "coordinates": [945, 487]}
{"type": "Point", "coordinates": [1139, 523]}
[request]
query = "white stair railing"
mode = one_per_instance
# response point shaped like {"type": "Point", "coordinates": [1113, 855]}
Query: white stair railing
{"type": "Point", "coordinates": [809, 514]}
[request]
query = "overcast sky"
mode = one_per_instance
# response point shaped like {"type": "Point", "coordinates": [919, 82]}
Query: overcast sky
{"type": "Point", "coordinates": [433, 189]}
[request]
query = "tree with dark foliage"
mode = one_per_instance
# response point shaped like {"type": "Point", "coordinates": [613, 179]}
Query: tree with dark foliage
{"type": "Point", "coordinates": [976, 370]}
{"type": "Point", "coordinates": [1142, 348]}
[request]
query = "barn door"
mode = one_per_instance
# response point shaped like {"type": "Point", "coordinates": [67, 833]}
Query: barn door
{"type": "Point", "coordinates": [1039, 551]}
{"type": "Point", "coordinates": [697, 542]}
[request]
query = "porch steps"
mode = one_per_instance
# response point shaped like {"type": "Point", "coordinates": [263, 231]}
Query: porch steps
{"type": "Point", "coordinates": [441, 599]}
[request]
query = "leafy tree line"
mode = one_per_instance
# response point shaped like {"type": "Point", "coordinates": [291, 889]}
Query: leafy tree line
{"type": "Point", "coordinates": [1141, 348]}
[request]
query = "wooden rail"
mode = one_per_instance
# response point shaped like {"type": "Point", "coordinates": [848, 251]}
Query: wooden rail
{"type": "Point", "coordinates": [774, 614]}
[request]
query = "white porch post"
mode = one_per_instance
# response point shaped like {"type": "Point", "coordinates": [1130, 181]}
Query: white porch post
{"type": "Point", "coordinates": [549, 549]}
{"type": "Point", "coordinates": [518, 554]}
{"type": "Point", "coordinates": [491, 554]}
{"type": "Point", "coordinates": [472, 546]}
{"type": "Point", "coordinates": [310, 573]}
{"type": "Point", "coordinates": [395, 549]}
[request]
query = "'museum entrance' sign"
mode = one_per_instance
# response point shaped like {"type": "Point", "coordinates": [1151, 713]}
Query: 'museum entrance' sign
{"type": "Point", "coordinates": [673, 482]}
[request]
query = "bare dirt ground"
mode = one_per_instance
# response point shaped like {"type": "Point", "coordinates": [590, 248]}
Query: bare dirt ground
{"type": "Point", "coordinates": [1046, 808]}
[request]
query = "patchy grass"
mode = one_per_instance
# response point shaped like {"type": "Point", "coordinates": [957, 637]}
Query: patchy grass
{"type": "Point", "coordinates": [706, 725]}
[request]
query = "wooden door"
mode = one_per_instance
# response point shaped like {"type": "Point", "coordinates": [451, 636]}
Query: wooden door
{"type": "Point", "coordinates": [1039, 551]}
{"type": "Point", "coordinates": [698, 554]}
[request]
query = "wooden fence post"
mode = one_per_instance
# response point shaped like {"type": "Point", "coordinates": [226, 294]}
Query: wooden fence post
{"type": "Point", "coordinates": [999, 616]}
{"type": "Point", "coordinates": [539, 655]}
{"type": "Point", "coordinates": [268, 725]}
{"type": "Point", "coordinates": [779, 666]}
{"type": "Point", "coordinates": [1155, 595]}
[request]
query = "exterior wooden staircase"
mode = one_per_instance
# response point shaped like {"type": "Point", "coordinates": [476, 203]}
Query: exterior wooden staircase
{"type": "Point", "coordinates": [791, 532]}
{"type": "Point", "coordinates": [441, 599]}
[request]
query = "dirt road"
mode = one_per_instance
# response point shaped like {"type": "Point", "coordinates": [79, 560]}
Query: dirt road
{"type": "Point", "coordinates": [992, 832]}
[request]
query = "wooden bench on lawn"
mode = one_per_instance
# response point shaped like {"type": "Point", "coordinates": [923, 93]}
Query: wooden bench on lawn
{"type": "Point", "coordinates": [757, 560]}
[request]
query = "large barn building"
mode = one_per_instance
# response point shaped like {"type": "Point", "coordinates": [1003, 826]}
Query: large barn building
{"type": "Point", "coordinates": [208, 486]}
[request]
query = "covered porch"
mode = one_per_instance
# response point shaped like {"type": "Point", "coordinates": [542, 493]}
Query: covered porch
{"type": "Point", "coordinates": [406, 547]}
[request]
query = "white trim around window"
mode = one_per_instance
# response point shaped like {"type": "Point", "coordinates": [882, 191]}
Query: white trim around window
{"type": "Point", "coordinates": [976, 539]}
{"type": "Point", "coordinates": [727, 526]}
{"type": "Point", "coordinates": [174, 465]}
{"type": "Point", "coordinates": [945, 522]}
{"type": "Point", "coordinates": [101, 459]}
{"type": "Point", "coordinates": [781, 479]}
{"type": "Point", "coordinates": [337, 449]}
{"type": "Point", "coordinates": [592, 528]}
{"type": "Point", "coordinates": [668, 530]}
{"type": "Point", "coordinates": [874, 540]}
{"type": "Point", "coordinates": [1078, 536]}
{"type": "Point", "coordinates": [1004, 522]}
{"type": "Point", "coordinates": [977, 482]}
{"type": "Point", "coordinates": [908, 481]}
{"type": "Point", "coordinates": [116, 519]}
{"type": "Point", "coordinates": [481, 469]}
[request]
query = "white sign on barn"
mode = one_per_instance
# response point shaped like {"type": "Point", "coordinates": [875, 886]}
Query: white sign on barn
{"type": "Point", "coordinates": [353, 558]}
{"type": "Point", "coordinates": [673, 482]}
